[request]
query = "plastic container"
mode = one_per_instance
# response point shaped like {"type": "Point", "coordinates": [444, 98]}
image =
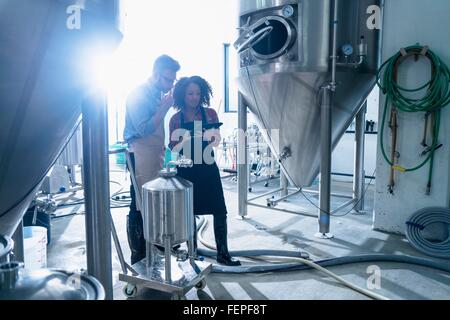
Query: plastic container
{"type": "Point", "coordinates": [35, 247]}
{"type": "Point", "coordinates": [43, 219]}
{"type": "Point", "coordinates": [120, 157]}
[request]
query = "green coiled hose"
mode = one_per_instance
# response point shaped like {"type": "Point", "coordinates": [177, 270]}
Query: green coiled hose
{"type": "Point", "coordinates": [436, 97]}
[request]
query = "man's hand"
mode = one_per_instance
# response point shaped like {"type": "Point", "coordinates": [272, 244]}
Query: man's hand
{"type": "Point", "coordinates": [167, 101]}
{"type": "Point", "coordinates": [161, 112]}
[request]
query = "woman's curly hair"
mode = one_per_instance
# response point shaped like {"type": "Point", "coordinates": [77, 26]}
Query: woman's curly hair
{"type": "Point", "coordinates": [179, 91]}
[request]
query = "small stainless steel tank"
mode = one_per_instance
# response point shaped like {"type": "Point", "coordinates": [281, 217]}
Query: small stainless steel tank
{"type": "Point", "coordinates": [17, 283]}
{"type": "Point", "coordinates": [6, 245]}
{"type": "Point", "coordinates": [168, 214]}
{"type": "Point", "coordinates": [168, 205]}
{"type": "Point", "coordinates": [168, 209]}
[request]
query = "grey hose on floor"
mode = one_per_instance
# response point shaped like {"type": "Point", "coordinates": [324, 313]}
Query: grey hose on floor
{"type": "Point", "coordinates": [305, 263]}
{"type": "Point", "coordinates": [419, 221]}
{"type": "Point", "coordinates": [293, 266]}
{"type": "Point", "coordinates": [211, 251]}
{"type": "Point", "coordinates": [257, 253]}
{"type": "Point", "coordinates": [296, 266]}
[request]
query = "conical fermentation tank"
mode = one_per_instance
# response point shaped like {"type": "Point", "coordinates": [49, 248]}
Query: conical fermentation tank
{"type": "Point", "coordinates": [286, 50]}
{"type": "Point", "coordinates": [46, 53]}
{"type": "Point", "coordinates": [72, 154]}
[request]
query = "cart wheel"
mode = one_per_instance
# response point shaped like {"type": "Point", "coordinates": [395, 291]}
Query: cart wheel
{"type": "Point", "coordinates": [201, 285]}
{"type": "Point", "coordinates": [250, 190]}
{"type": "Point", "coordinates": [130, 290]}
{"type": "Point", "coordinates": [179, 297]}
{"type": "Point", "coordinates": [266, 185]}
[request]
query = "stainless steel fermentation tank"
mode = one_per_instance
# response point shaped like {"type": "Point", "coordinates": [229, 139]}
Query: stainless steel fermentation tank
{"type": "Point", "coordinates": [72, 154]}
{"type": "Point", "coordinates": [297, 56]}
{"type": "Point", "coordinates": [44, 79]}
{"type": "Point", "coordinates": [46, 51]}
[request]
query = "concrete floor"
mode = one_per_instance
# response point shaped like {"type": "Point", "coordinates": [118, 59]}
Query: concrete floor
{"type": "Point", "coordinates": [267, 229]}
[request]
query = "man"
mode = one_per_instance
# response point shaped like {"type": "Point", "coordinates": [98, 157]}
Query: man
{"type": "Point", "coordinates": [146, 109]}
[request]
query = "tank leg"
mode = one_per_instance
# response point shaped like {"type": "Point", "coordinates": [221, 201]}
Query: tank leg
{"type": "Point", "coordinates": [167, 253]}
{"type": "Point", "coordinates": [325, 165]}
{"type": "Point", "coordinates": [242, 165]}
{"type": "Point", "coordinates": [359, 173]}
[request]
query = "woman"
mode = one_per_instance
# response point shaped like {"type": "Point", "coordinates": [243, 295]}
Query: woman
{"type": "Point", "coordinates": [192, 100]}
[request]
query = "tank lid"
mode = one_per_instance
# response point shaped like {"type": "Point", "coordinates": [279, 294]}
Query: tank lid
{"type": "Point", "coordinates": [48, 284]}
{"type": "Point", "coordinates": [168, 173]}
{"type": "Point", "coordinates": [6, 245]}
{"type": "Point", "coordinates": [168, 183]}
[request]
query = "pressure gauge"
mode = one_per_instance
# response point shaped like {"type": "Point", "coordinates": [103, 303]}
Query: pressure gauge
{"type": "Point", "coordinates": [287, 11]}
{"type": "Point", "coordinates": [347, 49]}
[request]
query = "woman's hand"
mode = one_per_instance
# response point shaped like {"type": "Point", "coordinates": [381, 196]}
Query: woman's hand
{"type": "Point", "coordinates": [213, 137]}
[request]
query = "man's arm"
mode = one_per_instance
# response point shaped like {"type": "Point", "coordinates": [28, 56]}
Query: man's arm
{"type": "Point", "coordinates": [147, 115]}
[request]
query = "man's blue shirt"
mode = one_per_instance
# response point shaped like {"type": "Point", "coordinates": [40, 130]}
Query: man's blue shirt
{"type": "Point", "coordinates": [141, 106]}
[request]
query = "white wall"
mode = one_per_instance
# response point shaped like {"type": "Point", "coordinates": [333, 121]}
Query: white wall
{"type": "Point", "coordinates": [409, 22]}
{"type": "Point", "coordinates": [344, 153]}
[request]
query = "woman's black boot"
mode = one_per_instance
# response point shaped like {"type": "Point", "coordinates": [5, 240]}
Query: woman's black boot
{"type": "Point", "coordinates": [220, 233]}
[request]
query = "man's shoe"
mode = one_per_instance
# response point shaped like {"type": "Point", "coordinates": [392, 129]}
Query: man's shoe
{"type": "Point", "coordinates": [136, 238]}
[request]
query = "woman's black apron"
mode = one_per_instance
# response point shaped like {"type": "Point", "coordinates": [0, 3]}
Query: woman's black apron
{"type": "Point", "coordinates": [208, 192]}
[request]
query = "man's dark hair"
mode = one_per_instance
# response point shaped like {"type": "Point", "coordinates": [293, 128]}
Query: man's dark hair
{"type": "Point", "coordinates": [180, 91]}
{"type": "Point", "coordinates": [165, 62]}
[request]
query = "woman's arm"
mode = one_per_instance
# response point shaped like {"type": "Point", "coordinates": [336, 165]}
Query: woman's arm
{"type": "Point", "coordinates": [213, 134]}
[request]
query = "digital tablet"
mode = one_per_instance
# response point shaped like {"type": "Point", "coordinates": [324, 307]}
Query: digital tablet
{"type": "Point", "coordinates": [216, 125]}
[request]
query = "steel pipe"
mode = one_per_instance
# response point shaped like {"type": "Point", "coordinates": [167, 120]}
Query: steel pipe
{"type": "Point", "coordinates": [325, 163]}
{"type": "Point", "coordinates": [326, 138]}
{"type": "Point", "coordinates": [243, 170]}
{"type": "Point", "coordinates": [337, 195]}
{"type": "Point", "coordinates": [359, 173]}
{"type": "Point", "coordinates": [19, 251]}
{"type": "Point", "coordinates": [96, 190]}
{"type": "Point", "coordinates": [344, 205]}
{"type": "Point", "coordinates": [264, 194]}
{"type": "Point", "coordinates": [306, 214]}
{"type": "Point", "coordinates": [284, 183]}
{"type": "Point", "coordinates": [276, 201]}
